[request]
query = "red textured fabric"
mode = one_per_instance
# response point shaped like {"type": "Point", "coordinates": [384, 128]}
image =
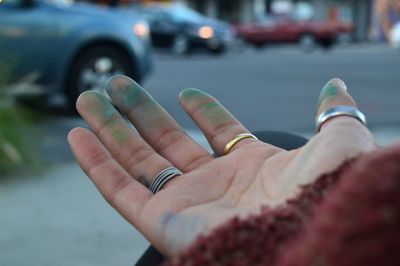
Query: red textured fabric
{"type": "Point", "coordinates": [348, 217]}
{"type": "Point", "coordinates": [359, 222]}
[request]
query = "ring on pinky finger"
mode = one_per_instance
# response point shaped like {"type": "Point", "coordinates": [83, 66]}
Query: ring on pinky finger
{"type": "Point", "coordinates": [339, 111]}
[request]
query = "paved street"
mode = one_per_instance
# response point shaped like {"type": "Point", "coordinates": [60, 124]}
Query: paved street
{"type": "Point", "coordinates": [58, 218]}
{"type": "Point", "coordinates": [278, 88]}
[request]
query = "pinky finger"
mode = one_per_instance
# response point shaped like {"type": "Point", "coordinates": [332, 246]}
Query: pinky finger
{"type": "Point", "coordinates": [335, 95]}
{"type": "Point", "coordinates": [124, 193]}
{"type": "Point", "coordinates": [343, 128]}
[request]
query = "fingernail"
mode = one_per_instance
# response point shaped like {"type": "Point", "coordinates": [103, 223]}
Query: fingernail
{"type": "Point", "coordinates": [342, 84]}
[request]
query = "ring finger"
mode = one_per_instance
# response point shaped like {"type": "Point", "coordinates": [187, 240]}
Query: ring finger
{"type": "Point", "coordinates": [218, 124]}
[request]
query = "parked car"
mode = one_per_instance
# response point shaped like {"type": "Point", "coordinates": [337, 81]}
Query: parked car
{"type": "Point", "coordinates": [71, 47]}
{"type": "Point", "coordinates": [284, 29]}
{"type": "Point", "coordinates": [395, 36]}
{"type": "Point", "coordinates": [182, 29]}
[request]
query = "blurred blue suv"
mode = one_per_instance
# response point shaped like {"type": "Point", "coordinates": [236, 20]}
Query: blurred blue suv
{"type": "Point", "coordinates": [70, 47]}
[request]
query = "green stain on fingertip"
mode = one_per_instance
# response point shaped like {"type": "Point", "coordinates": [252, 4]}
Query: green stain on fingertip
{"type": "Point", "coordinates": [215, 113]}
{"type": "Point", "coordinates": [132, 95]}
{"type": "Point", "coordinates": [328, 91]}
{"type": "Point", "coordinates": [125, 91]}
{"type": "Point", "coordinates": [105, 110]}
{"type": "Point", "coordinates": [87, 93]}
{"type": "Point", "coordinates": [98, 106]}
{"type": "Point", "coordinates": [118, 81]}
{"type": "Point", "coordinates": [119, 135]}
{"type": "Point", "coordinates": [190, 94]}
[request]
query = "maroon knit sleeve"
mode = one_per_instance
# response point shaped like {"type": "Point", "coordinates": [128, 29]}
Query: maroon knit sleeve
{"type": "Point", "coordinates": [359, 223]}
{"type": "Point", "coordinates": [348, 217]}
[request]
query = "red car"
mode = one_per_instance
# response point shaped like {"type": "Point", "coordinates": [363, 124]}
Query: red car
{"type": "Point", "coordinates": [283, 29]}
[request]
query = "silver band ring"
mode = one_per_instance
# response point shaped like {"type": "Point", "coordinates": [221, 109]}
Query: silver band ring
{"type": "Point", "coordinates": [339, 111]}
{"type": "Point", "coordinates": [162, 178]}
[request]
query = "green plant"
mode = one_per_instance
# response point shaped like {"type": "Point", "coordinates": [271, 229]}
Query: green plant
{"type": "Point", "coordinates": [17, 151]}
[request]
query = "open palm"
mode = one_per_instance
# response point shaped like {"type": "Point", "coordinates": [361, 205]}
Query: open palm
{"type": "Point", "coordinates": [122, 160]}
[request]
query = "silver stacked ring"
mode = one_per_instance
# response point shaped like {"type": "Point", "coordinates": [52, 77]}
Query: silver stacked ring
{"type": "Point", "coordinates": [339, 111]}
{"type": "Point", "coordinates": [162, 178]}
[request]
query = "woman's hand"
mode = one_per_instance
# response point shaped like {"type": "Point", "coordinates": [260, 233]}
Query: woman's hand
{"type": "Point", "coordinates": [122, 161]}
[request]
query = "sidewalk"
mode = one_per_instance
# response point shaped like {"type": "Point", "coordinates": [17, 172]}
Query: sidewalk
{"type": "Point", "coordinates": [60, 219]}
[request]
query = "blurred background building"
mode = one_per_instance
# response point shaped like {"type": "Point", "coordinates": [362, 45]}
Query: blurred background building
{"type": "Point", "coordinates": [369, 17]}
{"type": "Point", "coordinates": [356, 11]}
{"type": "Point", "coordinates": [372, 19]}
{"type": "Point", "coordinates": [385, 23]}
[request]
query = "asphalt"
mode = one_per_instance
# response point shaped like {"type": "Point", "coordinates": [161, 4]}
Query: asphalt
{"type": "Point", "coordinates": [58, 217]}
{"type": "Point", "coordinates": [277, 88]}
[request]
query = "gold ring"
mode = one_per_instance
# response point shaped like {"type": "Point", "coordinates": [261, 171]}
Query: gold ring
{"type": "Point", "coordinates": [236, 139]}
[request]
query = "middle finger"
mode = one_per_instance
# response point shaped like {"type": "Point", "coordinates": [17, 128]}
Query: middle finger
{"type": "Point", "coordinates": [155, 125]}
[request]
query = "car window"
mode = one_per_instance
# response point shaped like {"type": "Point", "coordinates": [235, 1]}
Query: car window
{"type": "Point", "coordinates": [155, 15]}
{"type": "Point", "coordinates": [273, 19]}
{"type": "Point", "coordinates": [61, 2]}
{"type": "Point", "coordinates": [160, 16]}
{"type": "Point", "coordinates": [10, 3]}
{"type": "Point", "coordinates": [264, 20]}
{"type": "Point", "coordinates": [181, 13]}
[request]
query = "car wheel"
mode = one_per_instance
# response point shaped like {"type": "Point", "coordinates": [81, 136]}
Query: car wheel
{"type": "Point", "coordinates": [180, 45]}
{"type": "Point", "coordinates": [217, 50]}
{"type": "Point", "coordinates": [259, 45]}
{"type": "Point", "coordinates": [94, 67]}
{"type": "Point", "coordinates": [307, 43]}
{"type": "Point", "coordinates": [239, 45]}
{"type": "Point", "coordinates": [327, 45]}
{"type": "Point", "coordinates": [344, 39]}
